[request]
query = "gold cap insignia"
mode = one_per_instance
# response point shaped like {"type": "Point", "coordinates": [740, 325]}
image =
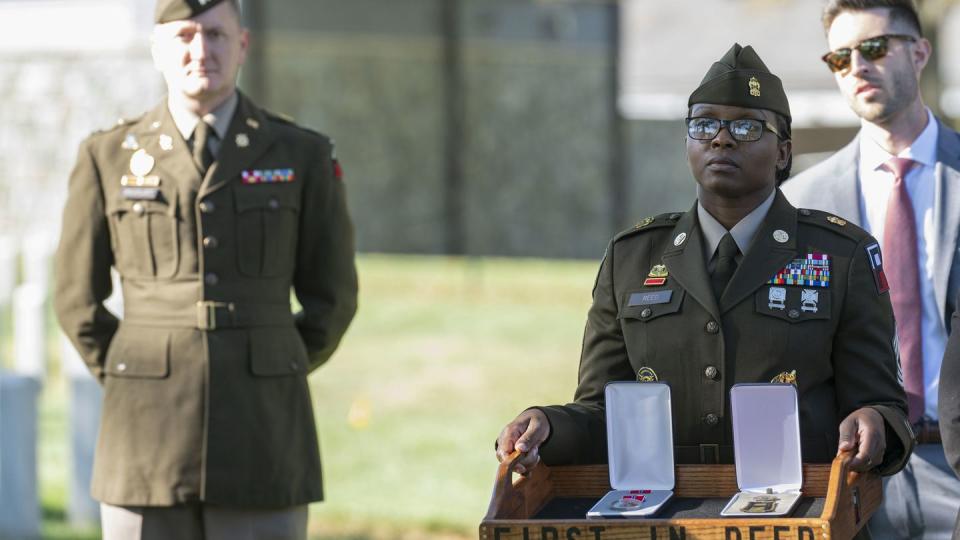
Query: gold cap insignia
{"type": "Point", "coordinates": [141, 163]}
{"type": "Point", "coordinates": [646, 374]}
{"type": "Point", "coordinates": [754, 87]}
{"type": "Point", "coordinates": [786, 378]}
{"type": "Point", "coordinates": [659, 270]}
{"type": "Point", "coordinates": [837, 221]}
{"type": "Point", "coordinates": [644, 222]}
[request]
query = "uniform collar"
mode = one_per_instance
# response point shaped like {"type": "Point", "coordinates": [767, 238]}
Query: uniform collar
{"type": "Point", "coordinates": [743, 232]}
{"type": "Point", "coordinates": [219, 118]}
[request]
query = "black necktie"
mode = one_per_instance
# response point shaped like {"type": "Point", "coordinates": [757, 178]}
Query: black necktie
{"type": "Point", "coordinates": [202, 155]}
{"type": "Point", "coordinates": [726, 264]}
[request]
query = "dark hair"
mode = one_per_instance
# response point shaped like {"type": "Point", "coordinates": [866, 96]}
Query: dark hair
{"type": "Point", "coordinates": [900, 10]}
{"type": "Point", "coordinates": [783, 126]}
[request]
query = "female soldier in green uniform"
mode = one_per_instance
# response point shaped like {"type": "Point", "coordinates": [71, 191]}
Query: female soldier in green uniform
{"type": "Point", "coordinates": [741, 288]}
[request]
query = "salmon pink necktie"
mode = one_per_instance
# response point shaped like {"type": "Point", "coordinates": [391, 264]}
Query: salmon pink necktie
{"type": "Point", "coordinates": [902, 269]}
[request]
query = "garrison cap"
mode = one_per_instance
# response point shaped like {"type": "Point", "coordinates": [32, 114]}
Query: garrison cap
{"type": "Point", "coordinates": [741, 79]}
{"type": "Point", "coordinates": [178, 10]}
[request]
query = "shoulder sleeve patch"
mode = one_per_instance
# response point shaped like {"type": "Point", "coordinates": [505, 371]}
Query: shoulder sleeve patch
{"type": "Point", "coordinates": [876, 265]}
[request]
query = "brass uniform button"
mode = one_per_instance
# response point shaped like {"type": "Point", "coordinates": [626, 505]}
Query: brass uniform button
{"type": "Point", "coordinates": [210, 242]}
{"type": "Point", "coordinates": [712, 327]}
{"type": "Point", "coordinates": [804, 212]}
{"type": "Point", "coordinates": [138, 209]}
{"type": "Point", "coordinates": [793, 314]}
{"type": "Point", "coordinates": [121, 367]}
{"type": "Point", "coordinates": [711, 373]}
{"type": "Point", "coordinates": [207, 207]}
{"type": "Point", "coordinates": [646, 313]}
{"type": "Point", "coordinates": [273, 204]}
{"type": "Point", "coordinates": [211, 279]}
{"type": "Point", "coordinates": [711, 419]}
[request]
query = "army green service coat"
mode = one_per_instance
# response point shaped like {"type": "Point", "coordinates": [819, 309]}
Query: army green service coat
{"type": "Point", "coordinates": [205, 378]}
{"type": "Point", "coordinates": [842, 351]}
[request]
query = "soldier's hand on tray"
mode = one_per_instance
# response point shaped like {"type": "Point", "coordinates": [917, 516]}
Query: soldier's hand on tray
{"type": "Point", "coordinates": [863, 432]}
{"type": "Point", "coordinates": [525, 433]}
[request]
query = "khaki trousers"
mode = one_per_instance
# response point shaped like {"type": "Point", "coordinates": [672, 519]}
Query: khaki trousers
{"type": "Point", "coordinates": [202, 522]}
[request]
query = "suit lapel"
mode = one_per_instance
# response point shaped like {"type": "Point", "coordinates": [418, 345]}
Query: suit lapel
{"type": "Point", "coordinates": [247, 139]}
{"type": "Point", "coordinates": [845, 191]}
{"type": "Point", "coordinates": [161, 139]}
{"type": "Point", "coordinates": [947, 210]}
{"type": "Point", "coordinates": [685, 262]}
{"type": "Point", "coordinates": [766, 256]}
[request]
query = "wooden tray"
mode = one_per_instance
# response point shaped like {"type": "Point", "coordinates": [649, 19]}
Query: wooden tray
{"type": "Point", "coordinates": [551, 504]}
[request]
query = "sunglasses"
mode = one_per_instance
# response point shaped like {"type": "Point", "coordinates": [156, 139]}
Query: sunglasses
{"type": "Point", "coordinates": [871, 49]}
{"type": "Point", "coordinates": [702, 128]}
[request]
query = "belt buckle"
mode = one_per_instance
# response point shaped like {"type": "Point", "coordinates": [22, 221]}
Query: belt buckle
{"type": "Point", "coordinates": [207, 313]}
{"type": "Point", "coordinates": [711, 448]}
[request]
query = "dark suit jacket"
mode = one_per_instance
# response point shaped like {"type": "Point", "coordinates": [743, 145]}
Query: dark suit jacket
{"type": "Point", "coordinates": [842, 351]}
{"type": "Point", "coordinates": [205, 390]}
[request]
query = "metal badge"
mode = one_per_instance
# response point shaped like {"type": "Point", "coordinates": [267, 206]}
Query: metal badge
{"type": "Point", "coordinates": [786, 377]}
{"type": "Point", "coordinates": [679, 239]}
{"type": "Point", "coordinates": [130, 142]}
{"type": "Point", "coordinates": [777, 298]}
{"type": "Point", "coordinates": [781, 236]}
{"type": "Point", "coordinates": [155, 125]}
{"type": "Point", "coordinates": [754, 87]}
{"type": "Point", "coordinates": [140, 181]}
{"type": "Point", "coordinates": [644, 222]}
{"type": "Point", "coordinates": [253, 123]}
{"type": "Point", "coordinates": [646, 374]}
{"type": "Point", "coordinates": [141, 163]}
{"type": "Point", "coordinates": [659, 270]}
{"type": "Point", "coordinates": [166, 142]}
{"type": "Point", "coordinates": [761, 504]}
{"type": "Point", "coordinates": [837, 221]}
{"type": "Point", "coordinates": [242, 140]}
{"type": "Point", "coordinates": [808, 300]}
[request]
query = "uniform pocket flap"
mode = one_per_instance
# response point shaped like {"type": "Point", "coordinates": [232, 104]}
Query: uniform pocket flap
{"type": "Point", "coordinates": [277, 352]}
{"type": "Point", "coordinates": [161, 205]}
{"type": "Point", "coordinates": [141, 353]}
{"type": "Point", "coordinates": [794, 303]}
{"type": "Point", "coordinates": [267, 197]}
{"type": "Point", "coordinates": [647, 305]}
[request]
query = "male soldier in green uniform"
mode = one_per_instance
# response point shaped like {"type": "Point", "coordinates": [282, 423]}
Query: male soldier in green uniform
{"type": "Point", "coordinates": [210, 209]}
{"type": "Point", "coordinates": [742, 288]}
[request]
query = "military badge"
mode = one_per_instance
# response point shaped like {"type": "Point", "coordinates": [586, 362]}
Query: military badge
{"type": "Point", "coordinates": [809, 299]}
{"type": "Point", "coordinates": [644, 222]}
{"type": "Point", "coordinates": [777, 298]}
{"type": "Point", "coordinates": [680, 239]}
{"type": "Point", "coordinates": [242, 140]}
{"type": "Point", "coordinates": [876, 265]}
{"type": "Point", "coordinates": [657, 276]}
{"type": "Point", "coordinates": [781, 236]}
{"type": "Point", "coordinates": [840, 222]}
{"type": "Point", "coordinates": [253, 123]}
{"type": "Point", "coordinates": [130, 142]}
{"type": "Point", "coordinates": [141, 163]}
{"type": "Point", "coordinates": [646, 374]}
{"type": "Point", "coordinates": [811, 271]}
{"type": "Point", "coordinates": [166, 142]}
{"type": "Point", "coordinates": [754, 87]}
{"type": "Point", "coordinates": [267, 176]}
{"type": "Point", "coordinates": [787, 377]}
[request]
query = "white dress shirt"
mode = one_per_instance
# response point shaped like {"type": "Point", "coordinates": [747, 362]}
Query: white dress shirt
{"type": "Point", "coordinates": [875, 186]}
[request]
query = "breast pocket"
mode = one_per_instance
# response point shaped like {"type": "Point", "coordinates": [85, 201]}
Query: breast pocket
{"type": "Point", "coordinates": [801, 325]}
{"type": "Point", "coordinates": [267, 219]}
{"type": "Point", "coordinates": [144, 236]}
{"type": "Point", "coordinates": [650, 320]}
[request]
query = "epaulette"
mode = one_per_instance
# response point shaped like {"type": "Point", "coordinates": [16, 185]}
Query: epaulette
{"type": "Point", "coordinates": [120, 123]}
{"type": "Point", "coordinates": [649, 223]}
{"type": "Point", "coordinates": [288, 120]}
{"type": "Point", "coordinates": [831, 222]}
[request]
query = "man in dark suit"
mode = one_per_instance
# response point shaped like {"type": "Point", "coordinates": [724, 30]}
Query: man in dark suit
{"type": "Point", "coordinates": [211, 210]}
{"type": "Point", "coordinates": [741, 288]}
{"type": "Point", "coordinates": [899, 179]}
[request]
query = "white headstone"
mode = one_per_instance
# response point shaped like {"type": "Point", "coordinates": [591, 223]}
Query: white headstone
{"type": "Point", "coordinates": [29, 330]}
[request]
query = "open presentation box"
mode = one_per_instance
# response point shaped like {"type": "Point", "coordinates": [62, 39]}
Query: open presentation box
{"type": "Point", "coordinates": [552, 502]}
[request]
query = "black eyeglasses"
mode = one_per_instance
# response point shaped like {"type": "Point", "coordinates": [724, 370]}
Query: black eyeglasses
{"type": "Point", "coordinates": [871, 49]}
{"type": "Point", "coordinates": [702, 128]}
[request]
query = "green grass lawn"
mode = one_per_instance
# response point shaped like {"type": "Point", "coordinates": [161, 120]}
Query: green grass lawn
{"type": "Point", "coordinates": [442, 353]}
